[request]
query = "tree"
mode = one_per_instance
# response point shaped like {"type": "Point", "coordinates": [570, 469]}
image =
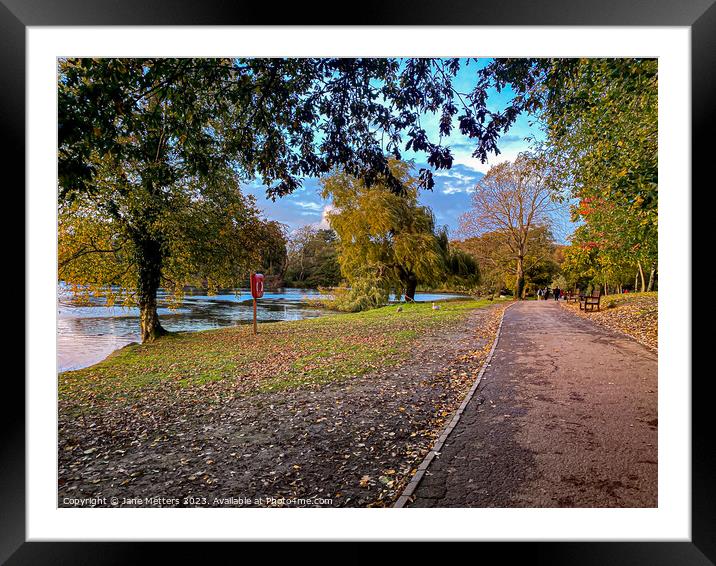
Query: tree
{"type": "Point", "coordinates": [511, 201]}
{"type": "Point", "coordinates": [462, 271]}
{"type": "Point", "coordinates": [274, 254]}
{"type": "Point", "coordinates": [387, 237]}
{"type": "Point", "coordinates": [541, 260]}
{"type": "Point", "coordinates": [137, 137]}
{"type": "Point", "coordinates": [601, 121]}
{"type": "Point", "coordinates": [497, 261]}
{"type": "Point", "coordinates": [313, 258]}
{"type": "Point", "coordinates": [208, 236]}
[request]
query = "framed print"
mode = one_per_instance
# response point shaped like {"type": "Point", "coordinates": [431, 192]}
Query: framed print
{"type": "Point", "coordinates": [291, 277]}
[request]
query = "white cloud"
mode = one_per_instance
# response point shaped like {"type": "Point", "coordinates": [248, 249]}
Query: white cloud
{"type": "Point", "coordinates": [308, 205]}
{"type": "Point", "coordinates": [324, 224]}
{"type": "Point", "coordinates": [455, 176]}
{"type": "Point", "coordinates": [475, 164]}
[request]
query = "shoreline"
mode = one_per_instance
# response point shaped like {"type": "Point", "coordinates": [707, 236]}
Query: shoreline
{"type": "Point", "coordinates": [77, 350]}
{"type": "Point", "coordinates": [369, 390]}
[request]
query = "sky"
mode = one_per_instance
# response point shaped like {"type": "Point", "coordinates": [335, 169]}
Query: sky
{"type": "Point", "coordinates": [451, 195]}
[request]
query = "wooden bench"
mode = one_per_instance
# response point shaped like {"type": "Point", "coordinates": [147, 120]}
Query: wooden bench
{"type": "Point", "coordinates": [589, 301]}
{"type": "Point", "coordinates": [571, 296]}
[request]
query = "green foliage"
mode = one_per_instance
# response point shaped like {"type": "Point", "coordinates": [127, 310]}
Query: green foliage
{"type": "Point", "coordinates": [561, 282]}
{"type": "Point", "coordinates": [462, 272]}
{"type": "Point", "coordinates": [389, 243]}
{"type": "Point", "coordinates": [274, 252]}
{"type": "Point", "coordinates": [211, 236]}
{"type": "Point", "coordinates": [497, 260]}
{"type": "Point", "coordinates": [610, 137]}
{"type": "Point", "coordinates": [277, 119]}
{"type": "Point", "coordinates": [363, 294]}
{"type": "Point", "coordinates": [601, 120]}
{"type": "Point", "coordinates": [384, 237]}
{"type": "Point", "coordinates": [139, 138]}
{"type": "Point", "coordinates": [313, 259]}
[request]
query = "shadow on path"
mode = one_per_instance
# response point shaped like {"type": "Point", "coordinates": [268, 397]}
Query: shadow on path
{"type": "Point", "coordinates": [566, 416]}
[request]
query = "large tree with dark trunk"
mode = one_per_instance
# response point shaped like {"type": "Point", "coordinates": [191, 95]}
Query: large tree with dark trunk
{"type": "Point", "coordinates": [138, 137]}
{"type": "Point", "coordinates": [207, 235]}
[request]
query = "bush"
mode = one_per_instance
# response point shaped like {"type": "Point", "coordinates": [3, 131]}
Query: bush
{"type": "Point", "coordinates": [363, 295]}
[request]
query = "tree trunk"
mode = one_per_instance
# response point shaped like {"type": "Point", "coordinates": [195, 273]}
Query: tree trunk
{"type": "Point", "coordinates": [641, 275]}
{"type": "Point", "coordinates": [149, 319]}
{"type": "Point", "coordinates": [519, 278]}
{"type": "Point", "coordinates": [652, 273]}
{"type": "Point", "coordinates": [150, 273]}
{"type": "Point", "coordinates": [410, 286]}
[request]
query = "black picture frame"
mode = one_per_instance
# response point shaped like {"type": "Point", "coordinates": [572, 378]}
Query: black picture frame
{"type": "Point", "coordinates": [699, 15]}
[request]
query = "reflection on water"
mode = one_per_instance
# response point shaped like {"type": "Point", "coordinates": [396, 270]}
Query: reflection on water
{"type": "Point", "coordinates": [87, 334]}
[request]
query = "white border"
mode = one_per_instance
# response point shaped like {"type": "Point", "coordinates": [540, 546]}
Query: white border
{"type": "Point", "coordinates": [671, 521]}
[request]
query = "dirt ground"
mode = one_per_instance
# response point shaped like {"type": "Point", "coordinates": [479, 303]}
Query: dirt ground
{"type": "Point", "coordinates": [566, 416]}
{"type": "Point", "coordinates": [352, 443]}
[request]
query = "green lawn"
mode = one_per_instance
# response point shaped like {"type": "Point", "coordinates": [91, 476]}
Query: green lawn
{"type": "Point", "coordinates": [282, 355]}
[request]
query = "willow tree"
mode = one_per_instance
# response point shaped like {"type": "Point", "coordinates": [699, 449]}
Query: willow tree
{"type": "Point", "coordinates": [512, 201]}
{"type": "Point", "coordinates": [385, 238]}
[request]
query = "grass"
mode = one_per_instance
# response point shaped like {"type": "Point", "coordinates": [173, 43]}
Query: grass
{"type": "Point", "coordinates": [281, 356]}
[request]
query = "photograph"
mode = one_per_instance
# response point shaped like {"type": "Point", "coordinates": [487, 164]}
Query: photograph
{"type": "Point", "coordinates": [357, 282]}
{"type": "Point", "coordinates": [414, 275]}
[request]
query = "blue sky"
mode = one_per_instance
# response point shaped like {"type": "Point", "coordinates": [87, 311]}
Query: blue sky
{"type": "Point", "coordinates": [451, 195]}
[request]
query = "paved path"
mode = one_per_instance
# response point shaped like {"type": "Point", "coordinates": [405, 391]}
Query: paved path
{"type": "Point", "coordinates": [566, 416]}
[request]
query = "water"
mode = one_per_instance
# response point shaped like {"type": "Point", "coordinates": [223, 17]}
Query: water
{"type": "Point", "coordinates": [88, 334]}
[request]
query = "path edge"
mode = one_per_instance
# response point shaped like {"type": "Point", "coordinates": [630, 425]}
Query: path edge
{"type": "Point", "coordinates": [404, 497]}
{"type": "Point", "coordinates": [652, 349]}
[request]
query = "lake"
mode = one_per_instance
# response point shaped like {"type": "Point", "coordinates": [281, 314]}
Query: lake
{"type": "Point", "coordinates": [88, 334]}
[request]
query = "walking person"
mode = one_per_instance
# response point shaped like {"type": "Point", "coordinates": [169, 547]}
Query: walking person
{"type": "Point", "coordinates": [539, 294]}
{"type": "Point", "coordinates": [556, 291]}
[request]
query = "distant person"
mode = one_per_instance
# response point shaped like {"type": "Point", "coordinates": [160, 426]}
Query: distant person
{"type": "Point", "coordinates": [539, 294]}
{"type": "Point", "coordinates": [556, 293]}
